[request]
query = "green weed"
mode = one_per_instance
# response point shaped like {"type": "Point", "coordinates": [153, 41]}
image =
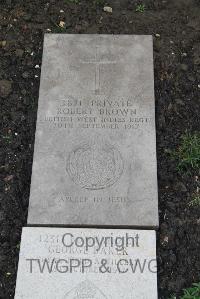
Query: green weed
{"type": "Point", "coordinates": [140, 8]}
{"type": "Point", "coordinates": [72, 1]}
{"type": "Point", "coordinates": [195, 200]}
{"type": "Point", "coordinates": [188, 152]}
{"type": "Point", "coordinates": [190, 293]}
{"type": "Point", "coordinates": [7, 138]}
{"type": "Point", "coordinates": [18, 246]}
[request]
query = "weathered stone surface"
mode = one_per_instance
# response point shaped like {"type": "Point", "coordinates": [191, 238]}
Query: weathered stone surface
{"type": "Point", "coordinates": [95, 148]}
{"type": "Point", "coordinates": [114, 264]}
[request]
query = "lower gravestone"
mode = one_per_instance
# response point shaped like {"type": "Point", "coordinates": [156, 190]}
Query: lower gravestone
{"type": "Point", "coordinates": [70, 263]}
{"type": "Point", "coordinates": [95, 147]}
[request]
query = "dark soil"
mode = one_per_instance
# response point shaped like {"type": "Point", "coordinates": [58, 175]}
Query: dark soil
{"type": "Point", "coordinates": [175, 25]}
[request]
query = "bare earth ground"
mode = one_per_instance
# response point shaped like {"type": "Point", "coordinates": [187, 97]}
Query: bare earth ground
{"type": "Point", "coordinates": [175, 26]}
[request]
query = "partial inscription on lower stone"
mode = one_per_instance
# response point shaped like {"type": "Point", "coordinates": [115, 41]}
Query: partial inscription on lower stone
{"type": "Point", "coordinates": [70, 263]}
{"type": "Point", "coordinates": [95, 165]}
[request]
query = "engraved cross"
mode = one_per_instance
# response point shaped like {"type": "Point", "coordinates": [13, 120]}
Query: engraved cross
{"type": "Point", "coordinates": [97, 63]}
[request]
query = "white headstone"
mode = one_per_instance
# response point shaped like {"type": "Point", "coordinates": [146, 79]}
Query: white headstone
{"type": "Point", "coordinates": [95, 146]}
{"type": "Point", "coordinates": [63, 263]}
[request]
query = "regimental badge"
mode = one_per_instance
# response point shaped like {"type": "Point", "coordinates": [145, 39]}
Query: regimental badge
{"type": "Point", "coordinates": [85, 290]}
{"type": "Point", "coordinates": [95, 165]}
